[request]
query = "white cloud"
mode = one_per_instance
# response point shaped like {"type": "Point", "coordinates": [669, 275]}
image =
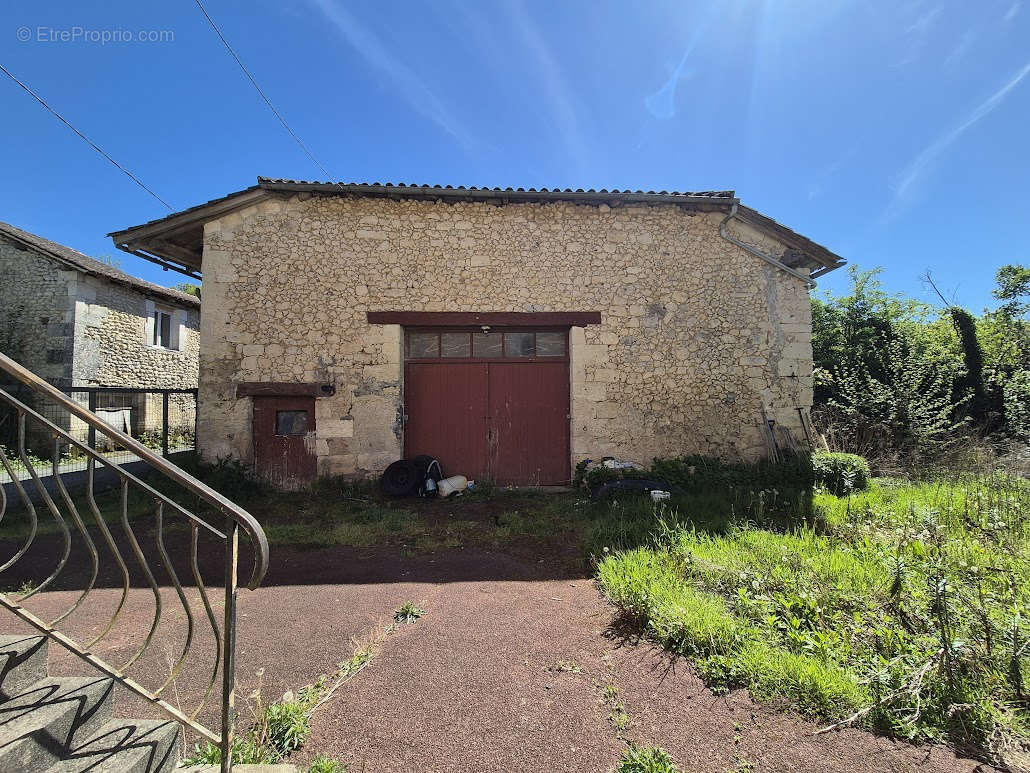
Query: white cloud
{"type": "Point", "coordinates": [559, 98]}
{"type": "Point", "coordinates": [916, 35]}
{"type": "Point", "coordinates": [662, 104]}
{"type": "Point", "coordinates": [415, 91]}
{"type": "Point", "coordinates": [913, 172]}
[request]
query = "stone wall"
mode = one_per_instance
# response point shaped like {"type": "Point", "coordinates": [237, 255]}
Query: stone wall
{"type": "Point", "coordinates": [75, 329]}
{"type": "Point", "coordinates": [36, 312]}
{"type": "Point", "coordinates": [700, 341]}
{"type": "Point", "coordinates": [113, 340]}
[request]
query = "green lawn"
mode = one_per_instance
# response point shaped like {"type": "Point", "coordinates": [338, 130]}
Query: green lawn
{"type": "Point", "coordinates": [902, 607]}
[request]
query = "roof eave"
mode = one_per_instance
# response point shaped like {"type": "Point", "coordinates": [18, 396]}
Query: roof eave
{"type": "Point", "coordinates": [825, 260]}
{"type": "Point", "coordinates": [153, 240]}
{"type": "Point", "coordinates": [501, 195]}
{"type": "Point", "coordinates": [148, 240]}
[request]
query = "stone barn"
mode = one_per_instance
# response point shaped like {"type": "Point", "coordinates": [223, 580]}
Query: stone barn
{"type": "Point", "coordinates": [509, 333]}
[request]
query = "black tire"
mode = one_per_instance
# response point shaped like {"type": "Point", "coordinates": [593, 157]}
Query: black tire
{"type": "Point", "coordinates": [400, 479]}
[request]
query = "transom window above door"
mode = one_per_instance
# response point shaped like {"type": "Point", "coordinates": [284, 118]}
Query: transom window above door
{"type": "Point", "coordinates": [489, 345]}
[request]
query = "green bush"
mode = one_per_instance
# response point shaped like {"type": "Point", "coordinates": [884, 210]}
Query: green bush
{"type": "Point", "coordinates": [698, 473]}
{"type": "Point", "coordinates": [600, 475]}
{"type": "Point", "coordinates": [324, 764]}
{"type": "Point", "coordinates": [840, 473]}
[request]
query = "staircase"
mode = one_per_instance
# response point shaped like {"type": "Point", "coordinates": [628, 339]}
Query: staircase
{"type": "Point", "coordinates": [66, 724]}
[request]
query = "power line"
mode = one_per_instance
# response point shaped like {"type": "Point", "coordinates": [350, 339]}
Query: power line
{"type": "Point", "coordinates": [88, 141]}
{"type": "Point", "coordinates": [254, 83]}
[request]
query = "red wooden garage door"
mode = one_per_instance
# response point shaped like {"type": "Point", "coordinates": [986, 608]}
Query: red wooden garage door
{"type": "Point", "coordinates": [490, 405]}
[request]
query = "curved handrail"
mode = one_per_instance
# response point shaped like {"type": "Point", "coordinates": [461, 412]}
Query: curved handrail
{"type": "Point", "coordinates": [245, 520]}
{"type": "Point", "coordinates": [61, 503]}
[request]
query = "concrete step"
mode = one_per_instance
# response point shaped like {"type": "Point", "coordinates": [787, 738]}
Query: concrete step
{"type": "Point", "coordinates": [41, 723]}
{"type": "Point", "coordinates": [22, 662]}
{"type": "Point", "coordinates": [123, 746]}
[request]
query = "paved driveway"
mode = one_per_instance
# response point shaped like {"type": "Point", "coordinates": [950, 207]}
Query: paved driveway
{"type": "Point", "coordinates": [506, 671]}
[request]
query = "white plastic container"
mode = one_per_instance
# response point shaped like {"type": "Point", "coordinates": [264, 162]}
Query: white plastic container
{"type": "Point", "coordinates": [660, 496]}
{"type": "Point", "coordinates": [450, 485]}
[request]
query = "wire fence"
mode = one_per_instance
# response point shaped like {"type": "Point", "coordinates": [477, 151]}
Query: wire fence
{"type": "Point", "coordinates": [162, 419]}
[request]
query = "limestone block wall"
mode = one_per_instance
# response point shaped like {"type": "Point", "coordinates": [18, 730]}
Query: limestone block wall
{"type": "Point", "coordinates": [113, 347]}
{"type": "Point", "coordinates": [700, 342]}
{"type": "Point", "coordinates": [37, 313]}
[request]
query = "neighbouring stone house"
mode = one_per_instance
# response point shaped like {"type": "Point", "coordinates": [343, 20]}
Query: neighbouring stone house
{"type": "Point", "coordinates": [79, 322]}
{"type": "Point", "coordinates": [509, 333]}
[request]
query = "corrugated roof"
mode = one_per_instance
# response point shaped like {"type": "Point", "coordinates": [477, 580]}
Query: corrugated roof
{"type": "Point", "coordinates": [91, 266]}
{"type": "Point", "coordinates": [178, 238]}
{"type": "Point", "coordinates": [408, 188]}
{"type": "Point", "coordinates": [423, 190]}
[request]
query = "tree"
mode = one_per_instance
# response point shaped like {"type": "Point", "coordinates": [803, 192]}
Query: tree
{"type": "Point", "coordinates": [109, 260]}
{"type": "Point", "coordinates": [1013, 288]}
{"type": "Point", "coordinates": [187, 287]}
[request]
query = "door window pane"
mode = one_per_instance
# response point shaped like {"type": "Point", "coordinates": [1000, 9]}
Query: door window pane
{"type": "Point", "coordinates": [455, 345]}
{"type": "Point", "coordinates": [486, 344]}
{"type": "Point", "coordinates": [291, 423]}
{"type": "Point", "coordinates": [550, 344]}
{"type": "Point", "coordinates": [518, 344]}
{"type": "Point", "coordinates": [423, 345]}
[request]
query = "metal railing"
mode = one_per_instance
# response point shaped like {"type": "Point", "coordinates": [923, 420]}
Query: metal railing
{"type": "Point", "coordinates": [162, 507]}
{"type": "Point", "coordinates": [164, 420]}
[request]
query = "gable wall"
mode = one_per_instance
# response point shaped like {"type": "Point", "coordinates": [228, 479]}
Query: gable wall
{"type": "Point", "coordinates": [112, 339]}
{"type": "Point", "coordinates": [37, 312]}
{"type": "Point", "coordinates": [697, 336]}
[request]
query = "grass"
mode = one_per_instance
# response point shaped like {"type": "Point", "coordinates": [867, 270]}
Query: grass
{"type": "Point", "coordinates": [281, 727]}
{"type": "Point", "coordinates": [324, 764]}
{"type": "Point", "coordinates": [408, 613]}
{"type": "Point", "coordinates": [15, 524]}
{"type": "Point", "coordinates": [901, 608]}
{"type": "Point", "coordinates": [651, 759]}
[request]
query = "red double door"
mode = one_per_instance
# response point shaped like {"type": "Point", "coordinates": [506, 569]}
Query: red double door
{"type": "Point", "coordinates": [502, 421]}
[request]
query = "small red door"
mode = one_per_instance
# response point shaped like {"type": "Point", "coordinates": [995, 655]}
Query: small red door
{"type": "Point", "coordinates": [284, 440]}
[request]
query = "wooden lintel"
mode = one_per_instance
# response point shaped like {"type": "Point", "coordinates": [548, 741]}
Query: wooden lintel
{"type": "Point", "coordinates": [277, 389]}
{"type": "Point", "coordinates": [492, 318]}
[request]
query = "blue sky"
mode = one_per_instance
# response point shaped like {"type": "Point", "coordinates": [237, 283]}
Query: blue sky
{"type": "Point", "coordinates": [892, 132]}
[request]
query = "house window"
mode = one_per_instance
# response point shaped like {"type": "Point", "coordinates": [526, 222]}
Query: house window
{"type": "Point", "coordinates": [162, 329]}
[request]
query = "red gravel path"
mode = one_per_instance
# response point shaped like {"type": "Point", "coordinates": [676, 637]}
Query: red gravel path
{"type": "Point", "coordinates": [468, 687]}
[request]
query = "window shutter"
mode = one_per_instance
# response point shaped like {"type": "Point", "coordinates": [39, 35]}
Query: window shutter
{"type": "Point", "coordinates": [179, 328]}
{"type": "Point", "coordinates": [149, 330]}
